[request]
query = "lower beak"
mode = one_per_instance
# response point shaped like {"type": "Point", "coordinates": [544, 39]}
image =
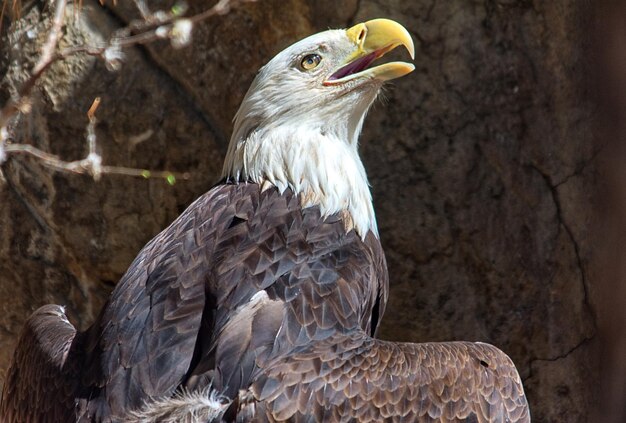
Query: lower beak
{"type": "Point", "coordinates": [373, 39]}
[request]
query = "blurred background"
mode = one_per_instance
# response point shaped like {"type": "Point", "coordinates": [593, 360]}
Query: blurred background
{"type": "Point", "coordinates": [496, 169]}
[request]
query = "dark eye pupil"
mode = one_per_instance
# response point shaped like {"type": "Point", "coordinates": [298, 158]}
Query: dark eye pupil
{"type": "Point", "coordinates": [310, 61]}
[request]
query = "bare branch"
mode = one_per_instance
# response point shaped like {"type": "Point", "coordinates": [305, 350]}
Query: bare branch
{"type": "Point", "coordinates": [153, 26]}
{"type": "Point", "coordinates": [221, 8]}
{"type": "Point", "coordinates": [93, 160]}
{"type": "Point", "coordinates": [90, 165]}
{"type": "Point", "coordinates": [143, 8]}
{"type": "Point", "coordinates": [49, 47]}
{"type": "Point", "coordinates": [20, 102]}
{"type": "Point", "coordinates": [85, 166]}
{"type": "Point", "coordinates": [157, 26]}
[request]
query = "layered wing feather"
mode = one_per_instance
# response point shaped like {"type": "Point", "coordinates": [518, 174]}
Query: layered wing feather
{"type": "Point", "coordinates": [42, 377]}
{"type": "Point", "coordinates": [282, 277]}
{"type": "Point", "coordinates": [354, 377]}
{"type": "Point", "coordinates": [273, 306]}
{"type": "Point", "coordinates": [242, 276]}
{"type": "Point", "coordinates": [142, 345]}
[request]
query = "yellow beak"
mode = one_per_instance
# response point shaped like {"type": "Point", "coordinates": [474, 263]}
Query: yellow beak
{"type": "Point", "coordinates": [373, 39]}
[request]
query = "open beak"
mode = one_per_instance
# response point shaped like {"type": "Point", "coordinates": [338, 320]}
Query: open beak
{"type": "Point", "coordinates": [373, 39]}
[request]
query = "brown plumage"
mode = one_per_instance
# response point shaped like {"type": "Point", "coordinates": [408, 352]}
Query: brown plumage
{"type": "Point", "coordinates": [354, 377]}
{"type": "Point", "coordinates": [302, 352]}
{"type": "Point", "coordinates": [42, 378]}
{"type": "Point", "coordinates": [261, 301]}
{"type": "Point", "coordinates": [179, 317]}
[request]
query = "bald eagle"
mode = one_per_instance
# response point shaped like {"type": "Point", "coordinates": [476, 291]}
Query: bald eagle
{"type": "Point", "coordinates": [261, 301]}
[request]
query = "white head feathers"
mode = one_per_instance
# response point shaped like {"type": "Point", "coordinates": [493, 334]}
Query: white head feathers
{"type": "Point", "coordinates": [299, 123]}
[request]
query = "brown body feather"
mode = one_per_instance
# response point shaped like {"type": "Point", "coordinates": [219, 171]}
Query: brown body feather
{"type": "Point", "coordinates": [42, 379]}
{"type": "Point", "coordinates": [269, 304]}
{"type": "Point", "coordinates": [353, 377]}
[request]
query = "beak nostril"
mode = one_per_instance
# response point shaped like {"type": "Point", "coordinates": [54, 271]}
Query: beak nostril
{"type": "Point", "coordinates": [361, 35]}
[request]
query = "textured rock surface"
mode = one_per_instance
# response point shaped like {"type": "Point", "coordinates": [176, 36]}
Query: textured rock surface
{"type": "Point", "coordinates": [481, 162]}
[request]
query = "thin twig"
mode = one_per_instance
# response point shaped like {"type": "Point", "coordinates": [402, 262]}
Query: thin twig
{"type": "Point", "coordinates": [221, 8]}
{"type": "Point", "coordinates": [90, 165]}
{"type": "Point", "coordinates": [4, 7]}
{"type": "Point", "coordinates": [16, 103]}
{"type": "Point", "coordinates": [47, 51]}
{"type": "Point", "coordinates": [93, 160]}
{"type": "Point", "coordinates": [83, 166]}
{"type": "Point", "coordinates": [143, 8]}
{"type": "Point", "coordinates": [154, 26]}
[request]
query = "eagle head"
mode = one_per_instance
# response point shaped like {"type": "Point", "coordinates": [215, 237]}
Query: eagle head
{"type": "Point", "coordinates": [299, 123]}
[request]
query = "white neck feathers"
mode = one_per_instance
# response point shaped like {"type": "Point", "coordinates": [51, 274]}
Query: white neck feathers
{"type": "Point", "coordinates": [323, 169]}
{"type": "Point", "coordinates": [292, 131]}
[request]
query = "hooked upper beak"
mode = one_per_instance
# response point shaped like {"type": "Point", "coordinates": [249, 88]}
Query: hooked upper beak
{"type": "Point", "coordinates": [373, 39]}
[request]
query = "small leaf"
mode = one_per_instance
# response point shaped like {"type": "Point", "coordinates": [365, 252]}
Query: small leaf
{"type": "Point", "coordinates": [179, 8]}
{"type": "Point", "coordinates": [145, 173]}
{"type": "Point", "coordinates": [171, 179]}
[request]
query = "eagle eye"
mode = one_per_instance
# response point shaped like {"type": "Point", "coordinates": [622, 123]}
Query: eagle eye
{"type": "Point", "coordinates": [310, 61]}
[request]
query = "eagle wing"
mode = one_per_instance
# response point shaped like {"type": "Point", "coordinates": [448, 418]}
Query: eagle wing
{"type": "Point", "coordinates": [355, 377]}
{"type": "Point", "coordinates": [41, 379]}
{"type": "Point", "coordinates": [283, 276]}
{"type": "Point", "coordinates": [273, 305]}
{"type": "Point", "coordinates": [142, 344]}
{"type": "Point", "coordinates": [242, 276]}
